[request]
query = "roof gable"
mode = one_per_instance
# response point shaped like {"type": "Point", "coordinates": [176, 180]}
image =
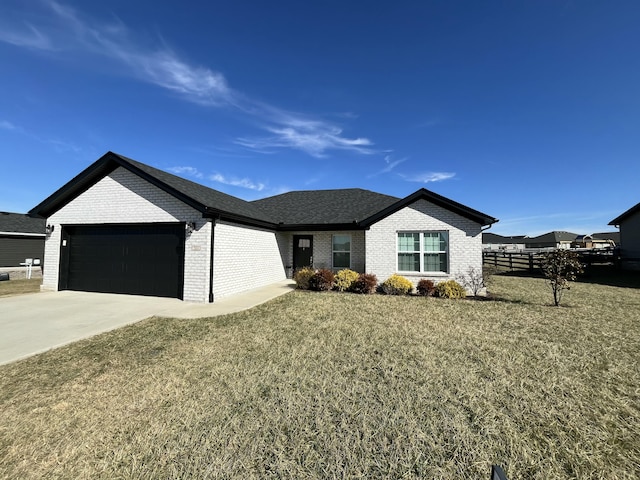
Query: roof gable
{"type": "Point", "coordinates": [207, 200]}
{"type": "Point", "coordinates": [424, 194]}
{"type": "Point", "coordinates": [622, 217]}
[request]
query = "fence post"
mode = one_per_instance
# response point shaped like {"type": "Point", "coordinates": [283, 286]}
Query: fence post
{"type": "Point", "coordinates": [530, 262]}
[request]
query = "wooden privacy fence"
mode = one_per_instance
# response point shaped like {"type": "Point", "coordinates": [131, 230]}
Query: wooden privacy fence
{"type": "Point", "coordinates": [532, 261]}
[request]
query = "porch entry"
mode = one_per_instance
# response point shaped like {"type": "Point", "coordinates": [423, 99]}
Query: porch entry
{"type": "Point", "coordinates": [302, 251]}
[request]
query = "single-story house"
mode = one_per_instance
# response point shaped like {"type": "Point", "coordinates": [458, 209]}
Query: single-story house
{"type": "Point", "coordinates": [555, 239]}
{"type": "Point", "coordinates": [629, 224]}
{"type": "Point", "coordinates": [122, 226]}
{"type": "Point", "coordinates": [493, 242]}
{"type": "Point", "coordinates": [21, 237]}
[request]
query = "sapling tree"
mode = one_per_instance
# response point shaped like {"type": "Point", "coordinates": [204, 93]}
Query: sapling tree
{"type": "Point", "coordinates": [473, 281]}
{"type": "Point", "coordinates": [560, 267]}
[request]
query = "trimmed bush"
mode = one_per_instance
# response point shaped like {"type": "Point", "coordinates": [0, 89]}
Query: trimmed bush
{"type": "Point", "coordinates": [344, 279]}
{"type": "Point", "coordinates": [426, 287]}
{"type": "Point", "coordinates": [450, 289]}
{"type": "Point", "coordinates": [365, 283]}
{"type": "Point", "coordinates": [322, 280]}
{"type": "Point", "coordinates": [397, 285]}
{"type": "Point", "coordinates": [302, 277]}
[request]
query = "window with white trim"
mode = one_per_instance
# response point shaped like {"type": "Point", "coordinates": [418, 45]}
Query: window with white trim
{"type": "Point", "coordinates": [341, 250]}
{"type": "Point", "coordinates": [423, 252]}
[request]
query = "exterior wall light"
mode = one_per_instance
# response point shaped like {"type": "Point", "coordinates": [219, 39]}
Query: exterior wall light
{"type": "Point", "coordinates": [49, 229]}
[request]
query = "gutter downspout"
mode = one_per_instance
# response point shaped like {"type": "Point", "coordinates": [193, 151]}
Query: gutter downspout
{"type": "Point", "coordinates": [213, 230]}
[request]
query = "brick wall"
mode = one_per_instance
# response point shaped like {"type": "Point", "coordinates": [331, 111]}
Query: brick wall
{"type": "Point", "coordinates": [465, 240]}
{"type": "Point", "coordinates": [245, 258]}
{"type": "Point", "coordinates": [122, 197]}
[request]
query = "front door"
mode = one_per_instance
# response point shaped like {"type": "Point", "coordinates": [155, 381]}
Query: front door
{"type": "Point", "coordinates": [302, 251]}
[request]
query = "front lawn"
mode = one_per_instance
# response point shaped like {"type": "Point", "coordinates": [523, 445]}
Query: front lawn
{"type": "Point", "coordinates": [327, 385]}
{"type": "Point", "coordinates": [20, 287]}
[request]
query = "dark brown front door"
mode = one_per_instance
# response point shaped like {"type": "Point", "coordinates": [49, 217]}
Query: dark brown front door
{"type": "Point", "coordinates": [302, 251]}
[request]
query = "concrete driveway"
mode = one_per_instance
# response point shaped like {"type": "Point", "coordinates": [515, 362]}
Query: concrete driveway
{"type": "Point", "coordinates": [34, 323]}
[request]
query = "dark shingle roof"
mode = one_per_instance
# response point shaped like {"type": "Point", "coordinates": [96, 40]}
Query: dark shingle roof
{"type": "Point", "coordinates": [324, 207]}
{"type": "Point", "coordinates": [344, 208]}
{"type": "Point", "coordinates": [209, 197]}
{"type": "Point", "coordinates": [20, 223]}
{"type": "Point", "coordinates": [489, 237]}
{"type": "Point", "coordinates": [553, 237]}
{"type": "Point", "coordinates": [204, 199]}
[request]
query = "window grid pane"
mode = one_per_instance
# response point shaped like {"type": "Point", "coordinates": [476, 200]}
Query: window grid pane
{"type": "Point", "coordinates": [408, 242]}
{"type": "Point", "coordinates": [409, 262]}
{"type": "Point", "coordinates": [341, 246]}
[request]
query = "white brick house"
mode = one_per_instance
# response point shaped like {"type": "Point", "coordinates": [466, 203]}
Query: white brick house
{"type": "Point", "coordinates": [121, 226]}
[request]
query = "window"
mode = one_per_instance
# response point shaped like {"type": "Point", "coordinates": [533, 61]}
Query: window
{"type": "Point", "coordinates": [341, 247]}
{"type": "Point", "coordinates": [423, 251]}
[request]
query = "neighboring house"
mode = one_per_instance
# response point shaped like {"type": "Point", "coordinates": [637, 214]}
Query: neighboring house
{"type": "Point", "coordinates": [613, 237]}
{"type": "Point", "coordinates": [592, 241]}
{"type": "Point", "coordinates": [493, 241]}
{"type": "Point", "coordinates": [551, 240]}
{"type": "Point", "coordinates": [21, 237]}
{"type": "Point", "coordinates": [629, 224]}
{"type": "Point", "coordinates": [121, 226]}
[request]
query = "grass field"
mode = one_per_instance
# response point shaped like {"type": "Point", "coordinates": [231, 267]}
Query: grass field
{"type": "Point", "coordinates": [342, 386]}
{"type": "Point", "coordinates": [19, 287]}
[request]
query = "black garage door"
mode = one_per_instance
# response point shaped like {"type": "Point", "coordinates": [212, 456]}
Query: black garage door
{"type": "Point", "coordinates": [132, 259]}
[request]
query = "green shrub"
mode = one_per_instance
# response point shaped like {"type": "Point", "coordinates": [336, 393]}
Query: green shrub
{"type": "Point", "coordinates": [365, 283]}
{"type": "Point", "coordinates": [322, 280]}
{"type": "Point", "coordinates": [397, 285]}
{"type": "Point", "coordinates": [344, 279]}
{"type": "Point", "coordinates": [450, 289]}
{"type": "Point", "coordinates": [425, 287]}
{"type": "Point", "coordinates": [302, 277]}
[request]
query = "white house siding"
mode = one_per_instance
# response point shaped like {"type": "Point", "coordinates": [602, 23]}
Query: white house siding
{"type": "Point", "coordinates": [465, 241]}
{"type": "Point", "coordinates": [122, 197]}
{"type": "Point", "coordinates": [323, 248]}
{"type": "Point", "coordinates": [244, 258]}
{"type": "Point", "coordinates": [630, 241]}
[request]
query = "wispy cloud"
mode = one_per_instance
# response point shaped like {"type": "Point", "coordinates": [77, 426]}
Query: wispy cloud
{"type": "Point", "coordinates": [66, 30]}
{"type": "Point", "coordinates": [237, 182]}
{"type": "Point", "coordinates": [29, 37]}
{"type": "Point", "coordinates": [428, 177]}
{"type": "Point", "coordinates": [390, 163]}
{"type": "Point", "coordinates": [57, 144]}
{"type": "Point", "coordinates": [189, 171]}
{"type": "Point", "coordinates": [6, 125]}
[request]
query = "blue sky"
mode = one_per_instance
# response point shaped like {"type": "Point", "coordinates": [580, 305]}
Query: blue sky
{"type": "Point", "coordinates": [528, 111]}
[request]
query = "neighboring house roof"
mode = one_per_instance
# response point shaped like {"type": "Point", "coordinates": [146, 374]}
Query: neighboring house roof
{"type": "Point", "coordinates": [345, 208]}
{"type": "Point", "coordinates": [615, 236]}
{"type": "Point", "coordinates": [489, 237]}
{"type": "Point", "coordinates": [20, 223]}
{"type": "Point", "coordinates": [620, 218]}
{"type": "Point", "coordinates": [553, 237]}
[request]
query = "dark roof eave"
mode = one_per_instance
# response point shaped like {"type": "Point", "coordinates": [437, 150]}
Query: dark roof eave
{"type": "Point", "coordinates": [217, 214]}
{"type": "Point", "coordinates": [94, 173]}
{"type": "Point", "coordinates": [320, 227]}
{"type": "Point", "coordinates": [436, 199]}
{"type": "Point", "coordinates": [616, 221]}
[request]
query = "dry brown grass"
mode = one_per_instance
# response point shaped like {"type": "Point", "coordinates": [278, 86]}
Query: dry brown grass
{"type": "Point", "coordinates": [342, 386]}
{"type": "Point", "coordinates": [19, 287]}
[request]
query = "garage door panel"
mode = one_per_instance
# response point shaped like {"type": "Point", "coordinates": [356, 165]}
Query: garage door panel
{"type": "Point", "coordinates": [131, 259]}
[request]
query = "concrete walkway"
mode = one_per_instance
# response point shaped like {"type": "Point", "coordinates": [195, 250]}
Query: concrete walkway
{"type": "Point", "coordinates": [34, 323]}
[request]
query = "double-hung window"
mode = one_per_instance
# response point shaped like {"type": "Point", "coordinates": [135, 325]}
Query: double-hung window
{"type": "Point", "coordinates": [341, 249]}
{"type": "Point", "coordinates": [423, 252]}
